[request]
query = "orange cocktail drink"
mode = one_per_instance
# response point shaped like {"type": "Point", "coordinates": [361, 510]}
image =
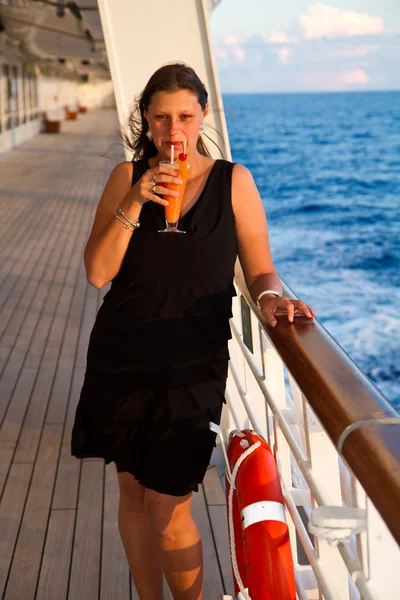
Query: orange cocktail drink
{"type": "Point", "coordinates": [173, 210]}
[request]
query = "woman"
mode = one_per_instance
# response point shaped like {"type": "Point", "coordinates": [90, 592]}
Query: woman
{"type": "Point", "coordinates": [157, 358]}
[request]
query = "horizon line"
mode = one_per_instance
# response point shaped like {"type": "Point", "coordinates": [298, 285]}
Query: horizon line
{"type": "Point", "coordinates": [289, 92]}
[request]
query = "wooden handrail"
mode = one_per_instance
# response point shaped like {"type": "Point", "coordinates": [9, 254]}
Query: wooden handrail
{"type": "Point", "coordinates": [341, 395]}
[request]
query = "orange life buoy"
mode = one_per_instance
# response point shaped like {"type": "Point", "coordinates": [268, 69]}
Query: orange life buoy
{"type": "Point", "coordinates": [263, 554]}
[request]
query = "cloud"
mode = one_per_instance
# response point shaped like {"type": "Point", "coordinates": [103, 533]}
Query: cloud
{"type": "Point", "coordinates": [230, 40]}
{"type": "Point", "coordinates": [360, 51]}
{"type": "Point", "coordinates": [333, 80]}
{"type": "Point", "coordinates": [284, 55]}
{"type": "Point", "coordinates": [276, 37]}
{"type": "Point", "coordinates": [257, 58]}
{"type": "Point", "coordinates": [239, 54]}
{"type": "Point", "coordinates": [354, 77]}
{"type": "Point", "coordinates": [232, 47]}
{"type": "Point", "coordinates": [323, 20]}
{"type": "Point", "coordinates": [220, 52]}
{"type": "Point", "coordinates": [368, 62]}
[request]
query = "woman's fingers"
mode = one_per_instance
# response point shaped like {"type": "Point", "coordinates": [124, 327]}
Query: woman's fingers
{"type": "Point", "coordinates": [304, 308]}
{"type": "Point", "coordinates": [162, 178]}
{"type": "Point", "coordinates": [269, 316]}
{"type": "Point", "coordinates": [158, 195]}
{"type": "Point", "coordinates": [165, 174]}
{"type": "Point", "coordinates": [171, 171]}
{"type": "Point", "coordinates": [149, 193]}
{"type": "Point", "coordinates": [159, 189]}
{"type": "Point", "coordinates": [157, 199]}
{"type": "Point", "coordinates": [281, 307]}
{"type": "Point", "coordinates": [153, 184]}
{"type": "Point", "coordinates": [275, 307]}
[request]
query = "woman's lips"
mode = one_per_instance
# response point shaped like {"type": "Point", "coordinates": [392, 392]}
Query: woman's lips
{"type": "Point", "coordinates": [169, 143]}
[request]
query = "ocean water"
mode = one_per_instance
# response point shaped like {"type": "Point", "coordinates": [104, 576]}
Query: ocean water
{"type": "Point", "coordinates": [328, 170]}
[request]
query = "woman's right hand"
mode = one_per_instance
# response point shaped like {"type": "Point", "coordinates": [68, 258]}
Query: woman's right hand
{"type": "Point", "coordinates": [147, 188]}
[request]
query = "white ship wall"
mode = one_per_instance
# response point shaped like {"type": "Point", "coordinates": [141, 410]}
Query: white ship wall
{"type": "Point", "coordinates": [22, 110]}
{"type": "Point", "coordinates": [55, 94]}
{"type": "Point", "coordinates": [97, 94]}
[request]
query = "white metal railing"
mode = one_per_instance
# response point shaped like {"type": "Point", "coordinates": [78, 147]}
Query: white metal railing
{"type": "Point", "coordinates": [365, 564]}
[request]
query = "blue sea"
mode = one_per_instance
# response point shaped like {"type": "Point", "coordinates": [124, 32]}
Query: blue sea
{"type": "Point", "coordinates": [328, 170]}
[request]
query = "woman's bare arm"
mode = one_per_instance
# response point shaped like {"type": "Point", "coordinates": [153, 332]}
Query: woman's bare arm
{"type": "Point", "coordinates": [109, 239]}
{"type": "Point", "coordinates": [252, 234]}
{"type": "Point", "coordinates": [254, 249]}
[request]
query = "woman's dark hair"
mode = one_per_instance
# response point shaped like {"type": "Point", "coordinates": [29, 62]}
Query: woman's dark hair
{"type": "Point", "coordinates": [169, 78]}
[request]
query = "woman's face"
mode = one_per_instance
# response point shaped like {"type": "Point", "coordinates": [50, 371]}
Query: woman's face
{"type": "Point", "coordinates": [173, 118]}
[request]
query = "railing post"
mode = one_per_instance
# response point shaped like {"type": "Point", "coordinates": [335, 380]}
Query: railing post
{"type": "Point", "coordinates": [258, 403]}
{"type": "Point", "coordinates": [275, 382]}
{"type": "Point", "coordinates": [238, 361]}
{"type": "Point", "coordinates": [325, 466]}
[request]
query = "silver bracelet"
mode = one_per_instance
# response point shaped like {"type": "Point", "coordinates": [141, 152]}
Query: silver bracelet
{"type": "Point", "coordinates": [264, 293]}
{"type": "Point", "coordinates": [127, 225]}
{"type": "Point", "coordinates": [133, 224]}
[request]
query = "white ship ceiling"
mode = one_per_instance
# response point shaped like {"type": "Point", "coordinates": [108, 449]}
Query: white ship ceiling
{"type": "Point", "coordinates": [55, 30]}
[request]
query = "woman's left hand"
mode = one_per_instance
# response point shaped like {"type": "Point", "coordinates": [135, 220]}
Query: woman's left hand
{"type": "Point", "coordinates": [272, 306]}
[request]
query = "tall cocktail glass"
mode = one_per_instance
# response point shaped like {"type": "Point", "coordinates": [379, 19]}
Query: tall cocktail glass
{"type": "Point", "coordinates": [172, 211]}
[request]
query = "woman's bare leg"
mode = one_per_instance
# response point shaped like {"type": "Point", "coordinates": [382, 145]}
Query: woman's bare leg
{"type": "Point", "coordinates": [140, 543]}
{"type": "Point", "coordinates": [179, 542]}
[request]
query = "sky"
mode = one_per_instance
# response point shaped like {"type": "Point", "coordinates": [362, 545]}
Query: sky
{"type": "Point", "coordinates": [303, 46]}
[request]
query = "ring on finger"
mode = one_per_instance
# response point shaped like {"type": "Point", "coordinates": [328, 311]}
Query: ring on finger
{"type": "Point", "coordinates": [154, 180]}
{"type": "Point", "coordinates": [153, 189]}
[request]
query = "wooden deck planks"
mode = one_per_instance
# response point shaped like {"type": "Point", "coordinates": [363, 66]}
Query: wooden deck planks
{"type": "Point", "coordinates": [213, 584]}
{"type": "Point", "coordinates": [215, 499]}
{"type": "Point", "coordinates": [26, 300]}
{"type": "Point", "coordinates": [21, 250]}
{"type": "Point", "coordinates": [57, 408]}
{"type": "Point", "coordinates": [12, 425]}
{"type": "Point", "coordinates": [27, 331]}
{"type": "Point", "coordinates": [58, 516]}
{"type": "Point", "coordinates": [86, 552]}
{"type": "Point", "coordinates": [54, 574]}
{"type": "Point", "coordinates": [27, 558]}
{"type": "Point", "coordinates": [11, 509]}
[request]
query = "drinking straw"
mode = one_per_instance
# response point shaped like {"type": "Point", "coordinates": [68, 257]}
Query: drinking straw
{"type": "Point", "coordinates": [172, 154]}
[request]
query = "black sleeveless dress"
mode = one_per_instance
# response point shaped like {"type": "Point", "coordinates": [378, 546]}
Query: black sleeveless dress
{"type": "Point", "coordinates": [157, 357]}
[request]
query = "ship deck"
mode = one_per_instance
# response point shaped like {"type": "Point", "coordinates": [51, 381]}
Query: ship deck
{"type": "Point", "coordinates": [58, 515]}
